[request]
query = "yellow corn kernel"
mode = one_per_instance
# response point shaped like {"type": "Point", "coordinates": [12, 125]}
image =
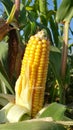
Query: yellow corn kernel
{"type": "Point", "coordinates": [30, 93]}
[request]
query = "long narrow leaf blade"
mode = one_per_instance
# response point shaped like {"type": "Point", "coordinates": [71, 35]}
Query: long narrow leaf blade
{"type": "Point", "coordinates": [8, 5]}
{"type": "Point", "coordinates": [4, 77]}
{"type": "Point", "coordinates": [11, 16]}
{"type": "Point", "coordinates": [54, 110]}
{"type": "Point", "coordinates": [32, 125]}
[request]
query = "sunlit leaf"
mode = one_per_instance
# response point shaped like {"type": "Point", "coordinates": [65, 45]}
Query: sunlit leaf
{"type": "Point", "coordinates": [33, 28]}
{"type": "Point", "coordinates": [29, 8]}
{"type": "Point", "coordinates": [54, 49]}
{"type": "Point", "coordinates": [11, 16]}
{"type": "Point", "coordinates": [54, 110]}
{"type": "Point", "coordinates": [54, 29]}
{"type": "Point", "coordinates": [27, 30]}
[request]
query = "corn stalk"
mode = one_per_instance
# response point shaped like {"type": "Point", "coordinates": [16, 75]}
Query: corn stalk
{"type": "Point", "coordinates": [64, 60]}
{"type": "Point", "coordinates": [65, 50]}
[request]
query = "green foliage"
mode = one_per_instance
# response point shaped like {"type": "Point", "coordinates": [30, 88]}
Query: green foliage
{"type": "Point", "coordinates": [5, 99]}
{"type": "Point", "coordinates": [3, 52]}
{"type": "Point", "coordinates": [37, 125]}
{"type": "Point", "coordinates": [3, 67]}
{"type": "Point", "coordinates": [55, 55]}
{"type": "Point", "coordinates": [54, 110]}
{"type": "Point", "coordinates": [5, 79]}
{"type": "Point", "coordinates": [65, 11]}
{"type": "Point", "coordinates": [8, 5]}
{"type": "Point", "coordinates": [30, 20]}
{"type": "Point", "coordinates": [33, 17]}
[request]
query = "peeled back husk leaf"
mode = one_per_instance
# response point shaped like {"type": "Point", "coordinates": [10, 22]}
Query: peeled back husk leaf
{"type": "Point", "coordinates": [13, 113]}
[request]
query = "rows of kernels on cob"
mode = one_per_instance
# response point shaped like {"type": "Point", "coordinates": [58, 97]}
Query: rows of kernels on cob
{"type": "Point", "coordinates": [30, 86]}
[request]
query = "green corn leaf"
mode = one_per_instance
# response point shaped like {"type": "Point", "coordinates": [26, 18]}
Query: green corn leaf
{"type": "Point", "coordinates": [6, 98]}
{"type": "Point", "coordinates": [32, 125]}
{"type": "Point", "coordinates": [11, 16]}
{"type": "Point", "coordinates": [4, 78]}
{"type": "Point", "coordinates": [65, 11]}
{"type": "Point", "coordinates": [69, 15]}
{"type": "Point", "coordinates": [55, 55]}
{"type": "Point", "coordinates": [29, 8]}
{"type": "Point", "coordinates": [7, 5]}
{"type": "Point", "coordinates": [55, 49]}
{"type": "Point", "coordinates": [33, 28]}
{"type": "Point", "coordinates": [4, 53]}
{"type": "Point", "coordinates": [50, 13]}
{"type": "Point", "coordinates": [54, 110]}
{"type": "Point", "coordinates": [54, 29]}
{"type": "Point", "coordinates": [55, 4]}
{"type": "Point", "coordinates": [3, 101]}
{"type": "Point", "coordinates": [4, 66]}
{"type": "Point", "coordinates": [27, 30]}
{"type": "Point", "coordinates": [22, 20]}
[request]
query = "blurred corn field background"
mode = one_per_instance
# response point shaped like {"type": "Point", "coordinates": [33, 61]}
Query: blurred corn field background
{"type": "Point", "coordinates": [17, 25]}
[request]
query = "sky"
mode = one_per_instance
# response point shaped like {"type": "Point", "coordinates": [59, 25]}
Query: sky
{"type": "Point", "coordinates": [50, 7]}
{"type": "Point", "coordinates": [1, 7]}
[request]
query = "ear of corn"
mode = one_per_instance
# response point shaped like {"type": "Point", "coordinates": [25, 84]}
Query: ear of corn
{"type": "Point", "coordinates": [30, 85]}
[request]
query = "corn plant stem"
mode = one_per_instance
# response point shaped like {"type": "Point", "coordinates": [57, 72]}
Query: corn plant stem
{"type": "Point", "coordinates": [64, 60]}
{"type": "Point", "coordinates": [17, 3]}
{"type": "Point", "coordinates": [64, 51]}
